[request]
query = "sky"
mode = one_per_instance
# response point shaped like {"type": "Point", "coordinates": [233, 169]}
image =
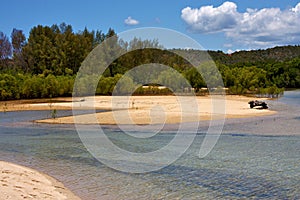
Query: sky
{"type": "Point", "coordinates": [216, 25]}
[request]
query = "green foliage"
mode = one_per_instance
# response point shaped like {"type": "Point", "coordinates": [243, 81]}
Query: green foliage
{"type": "Point", "coordinates": [124, 86]}
{"type": "Point", "coordinates": [272, 91]}
{"type": "Point", "coordinates": [152, 90]}
{"type": "Point", "coordinates": [16, 86]}
{"type": "Point", "coordinates": [8, 87]}
{"type": "Point", "coordinates": [32, 87]}
{"type": "Point", "coordinates": [45, 65]}
{"type": "Point", "coordinates": [172, 79]}
{"type": "Point", "coordinates": [58, 48]}
{"type": "Point", "coordinates": [85, 85]}
{"type": "Point", "coordinates": [106, 85]}
{"type": "Point", "coordinates": [210, 74]}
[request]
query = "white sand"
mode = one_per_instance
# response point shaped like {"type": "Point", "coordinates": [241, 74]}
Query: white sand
{"type": "Point", "coordinates": [157, 109]}
{"type": "Point", "coordinates": [18, 182]}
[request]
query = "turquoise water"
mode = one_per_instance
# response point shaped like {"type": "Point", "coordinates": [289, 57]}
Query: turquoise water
{"type": "Point", "coordinates": [244, 164]}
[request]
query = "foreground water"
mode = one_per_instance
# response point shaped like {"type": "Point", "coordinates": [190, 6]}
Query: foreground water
{"type": "Point", "coordinates": [254, 158]}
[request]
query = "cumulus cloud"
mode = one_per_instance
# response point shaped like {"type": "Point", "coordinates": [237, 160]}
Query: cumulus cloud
{"type": "Point", "coordinates": [210, 19]}
{"type": "Point", "coordinates": [130, 21]}
{"type": "Point", "coordinates": [264, 27]}
{"type": "Point", "coordinates": [297, 8]}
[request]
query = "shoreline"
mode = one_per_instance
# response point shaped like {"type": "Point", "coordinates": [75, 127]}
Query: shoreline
{"type": "Point", "coordinates": [20, 182]}
{"type": "Point", "coordinates": [143, 110]}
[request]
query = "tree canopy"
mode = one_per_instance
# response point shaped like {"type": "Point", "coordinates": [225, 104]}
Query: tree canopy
{"type": "Point", "coordinates": [46, 63]}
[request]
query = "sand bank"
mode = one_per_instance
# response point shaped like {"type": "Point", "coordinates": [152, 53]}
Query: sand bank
{"type": "Point", "coordinates": [18, 182]}
{"type": "Point", "coordinates": [155, 109]}
{"type": "Point", "coordinates": [36, 104]}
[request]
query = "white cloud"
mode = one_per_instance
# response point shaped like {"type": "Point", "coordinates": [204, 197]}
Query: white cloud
{"type": "Point", "coordinates": [259, 28]}
{"type": "Point", "coordinates": [230, 51]}
{"type": "Point", "coordinates": [130, 21]}
{"type": "Point", "coordinates": [210, 19]}
{"type": "Point", "coordinates": [297, 8]}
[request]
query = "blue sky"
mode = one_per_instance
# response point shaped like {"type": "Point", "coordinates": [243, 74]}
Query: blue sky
{"type": "Point", "coordinates": [216, 25]}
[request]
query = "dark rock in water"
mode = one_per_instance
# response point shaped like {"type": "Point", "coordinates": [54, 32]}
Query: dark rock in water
{"type": "Point", "coordinates": [255, 103]}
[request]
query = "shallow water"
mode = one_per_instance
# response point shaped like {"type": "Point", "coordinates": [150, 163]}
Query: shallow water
{"type": "Point", "coordinates": [243, 164]}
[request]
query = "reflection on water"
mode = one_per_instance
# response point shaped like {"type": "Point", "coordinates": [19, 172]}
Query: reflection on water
{"type": "Point", "coordinates": [241, 165]}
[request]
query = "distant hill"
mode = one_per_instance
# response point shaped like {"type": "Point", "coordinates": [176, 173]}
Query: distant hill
{"type": "Point", "coordinates": [271, 55]}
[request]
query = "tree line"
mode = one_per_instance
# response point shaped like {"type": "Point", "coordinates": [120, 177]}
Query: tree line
{"type": "Point", "coordinates": [46, 63]}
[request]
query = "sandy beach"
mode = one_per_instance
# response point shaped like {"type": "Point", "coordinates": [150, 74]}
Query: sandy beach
{"type": "Point", "coordinates": [18, 182]}
{"type": "Point", "coordinates": [147, 109]}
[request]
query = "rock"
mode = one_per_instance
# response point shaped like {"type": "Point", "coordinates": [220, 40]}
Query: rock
{"type": "Point", "coordinates": [255, 103]}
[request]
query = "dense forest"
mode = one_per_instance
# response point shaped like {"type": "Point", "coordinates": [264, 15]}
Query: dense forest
{"type": "Point", "coordinates": [46, 63]}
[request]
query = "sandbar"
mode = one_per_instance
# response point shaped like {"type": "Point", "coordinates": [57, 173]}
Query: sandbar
{"type": "Point", "coordinates": [146, 109]}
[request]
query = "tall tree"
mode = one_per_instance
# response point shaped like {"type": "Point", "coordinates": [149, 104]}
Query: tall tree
{"type": "Point", "coordinates": [18, 40]}
{"type": "Point", "coordinates": [111, 49]}
{"type": "Point", "coordinates": [39, 51]}
{"type": "Point", "coordinates": [5, 49]}
{"type": "Point", "coordinates": [110, 33]}
{"type": "Point", "coordinates": [98, 38]}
